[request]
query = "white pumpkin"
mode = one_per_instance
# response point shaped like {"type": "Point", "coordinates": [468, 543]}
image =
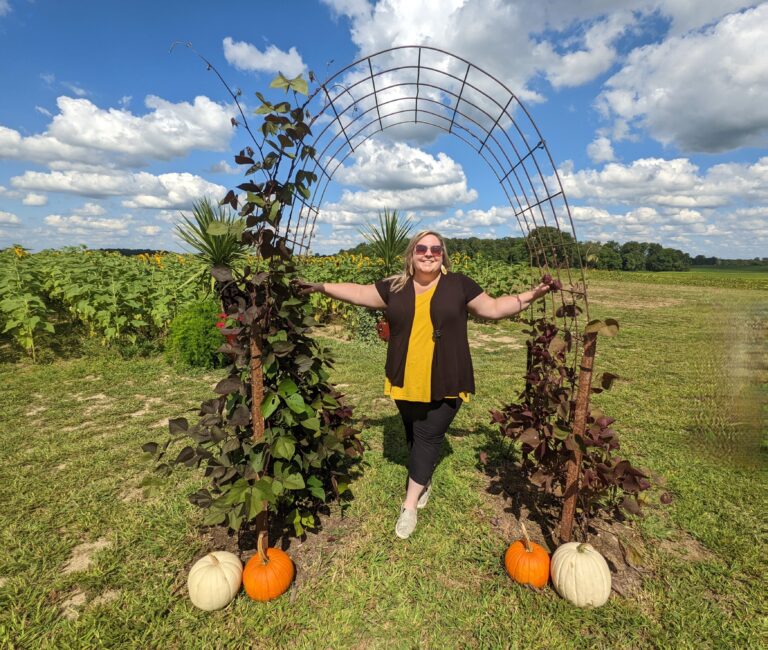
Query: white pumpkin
{"type": "Point", "coordinates": [214, 580]}
{"type": "Point", "coordinates": [581, 575]}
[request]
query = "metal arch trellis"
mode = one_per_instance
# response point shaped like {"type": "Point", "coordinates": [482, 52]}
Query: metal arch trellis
{"type": "Point", "coordinates": [409, 85]}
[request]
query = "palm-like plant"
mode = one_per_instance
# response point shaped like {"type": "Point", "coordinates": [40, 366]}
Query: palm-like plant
{"type": "Point", "coordinates": [214, 233]}
{"type": "Point", "coordinates": [389, 238]}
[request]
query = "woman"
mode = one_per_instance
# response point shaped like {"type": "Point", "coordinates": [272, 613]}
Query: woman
{"type": "Point", "coordinates": [428, 368]}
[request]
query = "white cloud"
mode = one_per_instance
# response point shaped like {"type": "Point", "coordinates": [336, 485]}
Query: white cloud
{"type": "Point", "coordinates": [8, 217]}
{"type": "Point", "coordinates": [399, 177]}
{"type": "Point", "coordinates": [91, 210]}
{"type": "Point", "coordinates": [223, 167]}
{"type": "Point", "coordinates": [711, 99]}
{"type": "Point", "coordinates": [430, 201]}
{"type": "Point", "coordinates": [74, 88]}
{"type": "Point", "coordinates": [125, 101]}
{"type": "Point", "coordinates": [675, 183]}
{"type": "Point", "coordinates": [675, 203]}
{"type": "Point", "coordinates": [600, 150]}
{"type": "Point", "coordinates": [245, 56]}
{"type": "Point", "coordinates": [398, 166]}
{"type": "Point", "coordinates": [35, 199]}
{"type": "Point", "coordinates": [148, 230]}
{"type": "Point", "coordinates": [43, 111]}
{"type": "Point", "coordinates": [5, 7]}
{"type": "Point", "coordinates": [48, 78]}
{"type": "Point", "coordinates": [80, 225]}
{"type": "Point", "coordinates": [142, 190]}
{"type": "Point", "coordinates": [82, 133]}
{"type": "Point", "coordinates": [471, 219]}
{"type": "Point", "coordinates": [580, 66]}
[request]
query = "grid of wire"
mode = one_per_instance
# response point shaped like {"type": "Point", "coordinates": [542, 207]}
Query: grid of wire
{"type": "Point", "coordinates": [420, 85]}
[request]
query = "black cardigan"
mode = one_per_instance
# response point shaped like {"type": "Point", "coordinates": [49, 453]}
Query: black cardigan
{"type": "Point", "coordinates": [452, 371]}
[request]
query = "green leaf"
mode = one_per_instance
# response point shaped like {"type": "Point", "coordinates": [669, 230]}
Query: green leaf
{"type": "Point", "coordinates": [255, 503]}
{"type": "Point", "coordinates": [273, 210]}
{"type": "Point", "coordinates": [286, 388]}
{"type": "Point", "coordinates": [277, 487]}
{"type": "Point", "coordinates": [315, 486]}
{"type": "Point", "coordinates": [256, 461]}
{"type": "Point", "coordinates": [214, 517]}
{"type": "Point", "coordinates": [296, 403]}
{"type": "Point", "coordinates": [311, 424]}
{"type": "Point", "coordinates": [594, 327]}
{"type": "Point", "coordinates": [280, 82]}
{"type": "Point", "coordinates": [284, 447]}
{"type": "Point", "coordinates": [299, 84]}
{"type": "Point", "coordinates": [269, 404]}
{"type": "Point", "coordinates": [611, 327]}
{"type": "Point", "coordinates": [294, 481]}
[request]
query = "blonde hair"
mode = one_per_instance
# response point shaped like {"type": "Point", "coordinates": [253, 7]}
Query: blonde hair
{"type": "Point", "coordinates": [400, 280]}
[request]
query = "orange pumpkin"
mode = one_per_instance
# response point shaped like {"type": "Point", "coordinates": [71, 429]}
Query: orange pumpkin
{"type": "Point", "coordinates": [268, 574]}
{"type": "Point", "coordinates": [527, 562]}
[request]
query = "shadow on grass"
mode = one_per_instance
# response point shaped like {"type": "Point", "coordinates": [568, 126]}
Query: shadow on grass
{"type": "Point", "coordinates": [499, 460]}
{"type": "Point", "coordinates": [395, 445]}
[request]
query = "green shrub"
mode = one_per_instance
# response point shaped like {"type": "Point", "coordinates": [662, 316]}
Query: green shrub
{"type": "Point", "coordinates": [193, 337]}
{"type": "Point", "coordinates": [362, 322]}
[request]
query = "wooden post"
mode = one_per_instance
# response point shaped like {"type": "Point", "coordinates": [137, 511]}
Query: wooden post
{"type": "Point", "coordinates": [261, 522]}
{"type": "Point", "coordinates": [573, 471]}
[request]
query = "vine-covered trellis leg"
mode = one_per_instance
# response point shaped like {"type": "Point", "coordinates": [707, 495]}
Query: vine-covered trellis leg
{"type": "Point", "coordinates": [261, 523]}
{"type": "Point", "coordinates": [573, 472]}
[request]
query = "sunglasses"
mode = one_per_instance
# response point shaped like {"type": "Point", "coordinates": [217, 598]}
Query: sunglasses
{"type": "Point", "coordinates": [421, 249]}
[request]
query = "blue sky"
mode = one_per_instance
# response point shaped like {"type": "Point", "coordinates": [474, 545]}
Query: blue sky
{"type": "Point", "coordinates": [654, 112]}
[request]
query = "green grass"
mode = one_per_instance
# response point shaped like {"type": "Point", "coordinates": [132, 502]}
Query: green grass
{"type": "Point", "coordinates": [691, 407]}
{"type": "Point", "coordinates": [750, 277]}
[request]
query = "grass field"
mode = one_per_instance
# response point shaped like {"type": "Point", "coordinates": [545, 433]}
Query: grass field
{"type": "Point", "coordinates": [89, 561]}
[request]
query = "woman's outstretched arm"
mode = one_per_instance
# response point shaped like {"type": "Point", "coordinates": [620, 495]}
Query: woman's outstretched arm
{"type": "Point", "coordinates": [505, 306]}
{"type": "Point", "coordinates": [364, 295]}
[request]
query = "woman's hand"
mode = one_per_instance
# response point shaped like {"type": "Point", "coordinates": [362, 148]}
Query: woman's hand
{"type": "Point", "coordinates": [551, 283]}
{"type": "Point", "coordinates": [305, 288]}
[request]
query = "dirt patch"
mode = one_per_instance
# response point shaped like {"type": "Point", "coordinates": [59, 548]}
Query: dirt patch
{"type": "Point", "coordinates": [686, 548]}
{"type": "Point", "coordinates": [71, 606]}
{"type": "Point", "coordinates": [82, 555]}
{"type": "Point", "coordinates": [3, 582]}
{"type": "Point", "coordinates": [149, 406]}
{"type": "Point", "coordinates": [35, 410]}
{"type": "Point", "coordinates": [105, 597]}
{"type": "Point", "coordinates": [77, 427]}
{"type": "Point", "coordinates": [100, 397]}
{"type": "Point", "coordinates": [61, 466]}
{"type": "Point", "coordinates": [160, 424]}
{"type": "Point", "coordinates": [482, 341]}
{"type": "Point", "coordinates": [129, 495]}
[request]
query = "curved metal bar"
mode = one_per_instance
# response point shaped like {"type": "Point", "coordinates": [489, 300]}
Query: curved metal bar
{"type": "Point", "coordinates": [509, 148]}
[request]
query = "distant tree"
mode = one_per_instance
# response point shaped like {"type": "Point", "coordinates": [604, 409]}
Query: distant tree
{"type": "Point", "coordinates": [633, 256]}
{"type": "Point", "coordinates": [609, 256]}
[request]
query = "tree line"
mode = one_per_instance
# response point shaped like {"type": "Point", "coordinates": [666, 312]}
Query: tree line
{"type": "Point", "coordinates": [610, 255]}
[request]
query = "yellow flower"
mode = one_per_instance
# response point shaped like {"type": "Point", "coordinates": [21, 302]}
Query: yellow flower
{"type": "Point", "coordinates": [19, 251]}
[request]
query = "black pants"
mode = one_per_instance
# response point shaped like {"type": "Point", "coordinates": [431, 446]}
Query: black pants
{"type": "Point", "coordinates": [425, 426]}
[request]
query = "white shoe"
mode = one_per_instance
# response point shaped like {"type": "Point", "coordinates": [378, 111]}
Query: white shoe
{"type": "Point", "coordinates": [406, 523]}
{"type": "Point", "coordinates": [424, 498]}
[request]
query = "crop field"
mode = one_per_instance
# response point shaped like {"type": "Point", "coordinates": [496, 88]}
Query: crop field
{"type": "Point", "coordinates": [93, 560]}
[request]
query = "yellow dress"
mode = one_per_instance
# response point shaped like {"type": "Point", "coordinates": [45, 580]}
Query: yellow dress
{"type": "Point", "coordinates": [417, 383]}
